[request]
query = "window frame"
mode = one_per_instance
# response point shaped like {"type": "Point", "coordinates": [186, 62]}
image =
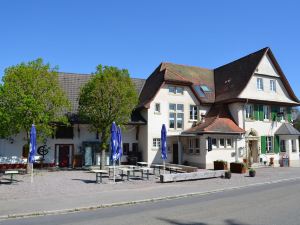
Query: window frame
{"type": "Point", "coordinates": [282, 145]}
{"type": "Point", "coordinates": [249, 115]}
{"type": "Point", "coordinates": [193, 113]}
{"type": "Point", "coordinates": [155, 108]}
{"type": "Point", "coordinates": [273, 85]}
{"type": "Point", "coordinates": [269, 144]}
{"type": "Point", "coordinates": [156, 143]}
{"type": "Point", "coordinates": [231, 143]}
{"type": "Point", "coordinates": [259, 84]}
{"type": "Point", "coordinates": [174, 90]}
{"type": "Point", "coordinates": [212, 145]}
{"type": "Point", "coordinates": [293, 144]}
{"type": "Point", "coordinates": [266, 114]}
{"type": "Point", "coordinates": [221, 146]}
{"type": "Point", "coordinates": [176, 117]}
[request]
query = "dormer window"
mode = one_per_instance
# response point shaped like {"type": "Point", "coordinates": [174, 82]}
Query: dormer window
{"type": "Point", "coordinates": [273, 85]}
{"type": "Point", "coordinates": [260, 84]}
{"type": "Point", "coordinates": [175, 90]}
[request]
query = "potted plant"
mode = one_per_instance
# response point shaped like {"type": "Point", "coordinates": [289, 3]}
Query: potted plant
{"type": "Point", "coordinates": [271, 161]}
{"type": "Point", "coordinates": [238, 167]}
{"type": "Point", "coordinates": [220, 165]}
{"type": "Point", "coordinates": [227, 174]}
{"type": "Point", "coordinates": [252, 172]}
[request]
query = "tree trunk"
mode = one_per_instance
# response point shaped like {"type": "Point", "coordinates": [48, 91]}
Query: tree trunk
{"type": "Point", "coordinates": [103, 159]}
{"type": "Point", "coordinates": [103, 147]}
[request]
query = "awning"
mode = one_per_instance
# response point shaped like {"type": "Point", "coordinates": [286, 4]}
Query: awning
{"type": "Point", "coordinates": [287, 129]}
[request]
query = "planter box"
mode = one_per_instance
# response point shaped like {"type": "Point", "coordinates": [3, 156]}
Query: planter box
{"type": "Point", "coordinates": [220, 165]}
{"type": "Point", "coordinates": [237, 168]}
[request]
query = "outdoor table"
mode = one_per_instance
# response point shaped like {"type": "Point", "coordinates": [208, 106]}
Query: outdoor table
{"type": "Point", "coordinates": [174, 168]}
{"type": "Point", "coordinates": [99, 174]}
{"type": "Point", "coordinates": [145, 169]}
{"type": "Point", "coordinates": [11, 173]}
{"type": "Point", "coordinates": [127, 171]}
{"type": "Point", "coordinates": [111, 168]}
{"type": "Point", "coordinates": [157, 166]}
{"type": "Point", "coordinates": [142, 163]}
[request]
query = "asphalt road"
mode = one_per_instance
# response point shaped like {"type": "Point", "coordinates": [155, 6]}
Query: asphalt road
{"type": "Point", "coordinates": [267, 204]}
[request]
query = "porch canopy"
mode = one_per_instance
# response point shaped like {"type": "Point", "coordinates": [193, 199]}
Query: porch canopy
{"type": "Point", "coordinates": [287, 129]}
{"type": "Point", "coordinates": [217, 121]}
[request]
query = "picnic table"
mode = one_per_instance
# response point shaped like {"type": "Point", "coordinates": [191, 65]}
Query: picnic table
{"type": "Point", "coordinates": [126, 171]}
{"type": "Point", "coordinates": [159, 166]}
{"type": "Point", "coordinates": [11, 173]}
{"type": "Point", "coordinates": [145, 169]}
{"type": "Point", "coordinates": [174, 168]}
{"type": "Point", "coordinates": [99, 174]}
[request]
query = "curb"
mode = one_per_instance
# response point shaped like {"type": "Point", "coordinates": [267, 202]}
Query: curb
{"type": "Point", "coordinates": [102, 206]}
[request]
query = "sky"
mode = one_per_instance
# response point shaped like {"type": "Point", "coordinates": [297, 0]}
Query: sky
{"type": "Point", "coordinates": [77, 35]}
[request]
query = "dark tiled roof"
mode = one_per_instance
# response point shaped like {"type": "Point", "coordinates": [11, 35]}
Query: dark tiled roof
{"type": "Point", "coordinates": [178, 74]}
{"type": "Point", "coordinates": [287, 129]}
{"type": "Point", "coordinates": [71, 84]}
{"type": "Point", "coordinates": [218, 120]}
{"type": "Point", "coordinates": [232, 78]}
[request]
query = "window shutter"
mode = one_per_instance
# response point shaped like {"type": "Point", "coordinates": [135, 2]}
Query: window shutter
{"type": "Point", "coordinates": [289, 114]}
{"type": "Point", "coordinates": [276, 144]}
{"type": "Point", "coordinates": [274, 110]}
{"type": "Point", "coordinates": [263, 144]}
{"type": "Point", "coordinates": [261, 112]}
{"type": "Point", "coordinates": [256, 112]}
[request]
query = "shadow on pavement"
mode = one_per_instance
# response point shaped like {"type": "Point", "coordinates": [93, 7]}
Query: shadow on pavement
{"type": "Point", "coordinates": [177, 222]}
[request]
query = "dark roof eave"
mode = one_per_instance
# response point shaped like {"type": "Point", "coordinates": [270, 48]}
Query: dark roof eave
{"type": "Point", "coordinates": [215, 132]}
{"type": "Point", "coordinates": [258, 101]}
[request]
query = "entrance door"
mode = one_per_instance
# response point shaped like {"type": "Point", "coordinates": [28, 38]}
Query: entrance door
{"type": "Point", "coordinates": [253, 152]}
{"type": "Point", "coordinates": [175, 153]}
{"type": "Point", "coordinates": [63, 158]}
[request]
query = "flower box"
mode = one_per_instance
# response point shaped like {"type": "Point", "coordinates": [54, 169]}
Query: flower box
{"type": "Point", "coordinates": [220, 165]}
{"type": "Point", "coordinates": [236, 167]}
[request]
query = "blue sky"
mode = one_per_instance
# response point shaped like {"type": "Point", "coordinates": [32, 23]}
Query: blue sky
{"type": "Point", "coordinates": [80, 34]}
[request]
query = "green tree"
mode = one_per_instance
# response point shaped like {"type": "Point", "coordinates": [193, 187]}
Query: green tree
{"type": "Point", "coordinates": [30, 94]}
{"type": "Point", "coordinates": [109, 96]}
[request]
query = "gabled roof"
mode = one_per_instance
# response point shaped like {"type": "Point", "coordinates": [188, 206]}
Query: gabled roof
{"type": "Point", "coordinates": [218, 120]}
{"type": "Point", "coordinates": [232, 78]}
{"type": "Point", "coordinates": [71, 84]}
{"type": "Point", "coordinates": [177, 74]}
{"type": "Point", "coordinates": [287, 129]}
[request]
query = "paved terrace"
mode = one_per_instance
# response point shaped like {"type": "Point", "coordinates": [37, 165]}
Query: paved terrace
{"type": "Point", "coordinates": [60, 190]}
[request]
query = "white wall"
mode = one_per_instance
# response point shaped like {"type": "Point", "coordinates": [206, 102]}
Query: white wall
{"type": "Point", "coordinates": [267, 67]}
{"type": "Point", "coordinates": [155, 121]}
{"type": "Point", "coordinates": [251, 92]}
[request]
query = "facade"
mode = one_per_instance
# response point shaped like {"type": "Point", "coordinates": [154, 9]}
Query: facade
{"type": "Point", "coordinates": [242, 110]}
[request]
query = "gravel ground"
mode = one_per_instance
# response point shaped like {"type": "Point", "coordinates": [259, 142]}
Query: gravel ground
{"type": "Point", "coordinates": [74, 188]}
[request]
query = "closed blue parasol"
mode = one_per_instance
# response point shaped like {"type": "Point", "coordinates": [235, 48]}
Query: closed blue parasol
{"type": "Point", "coordinates": [32, 145]}
{"type": "Point", "coordinates": [163, 142]}
{"type": "Point", "coordinates": [113, 142]}
{"type": "Point", "coordinates": [119, 149]}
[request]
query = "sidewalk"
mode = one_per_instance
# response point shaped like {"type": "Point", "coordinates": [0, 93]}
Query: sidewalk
{"type": "Point", "coordinates": [61, 190]}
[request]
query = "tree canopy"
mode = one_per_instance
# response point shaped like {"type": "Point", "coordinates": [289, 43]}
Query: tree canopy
{"type": "Point", "coordinates": [109, 96]}
{"type": "Point", "coordinates": [30, 94]}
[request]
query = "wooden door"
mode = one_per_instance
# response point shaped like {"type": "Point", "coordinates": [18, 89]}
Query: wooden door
{"type": "Point", "coordinates": [64, 155]}
{"type": "Point", "coordinates": [175, 153]}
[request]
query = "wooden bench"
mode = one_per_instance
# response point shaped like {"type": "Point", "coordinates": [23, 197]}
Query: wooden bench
{"type": "Point", "coordinates": [11, 173]}
{"type": "Point", "coordinates": [173, 177]}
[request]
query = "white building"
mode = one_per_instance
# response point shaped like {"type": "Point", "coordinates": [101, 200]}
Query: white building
{"type": "Point", "coordinates": [241, 110]}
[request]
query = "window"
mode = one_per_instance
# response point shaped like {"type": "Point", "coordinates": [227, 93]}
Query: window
{"type": "Point", "coordinates": [293, 146]}
{"type": "Point", "coordinates": [172, 89]}
{"type": "Point", "coordinates": [205, 88]}
{"type": "Point", "coordinates": [156, 142]}
{"type": "Point", "coordinates": [175, 90]}
{"type": "Point", "coordinates": [269, 144]}
{"type": "Point", "coordinates": [249, 111]}
{"type": "Point", "coordinates": [222, 142]}
{"type": "Point", "coordinates": [228, 143]}
{"type": "Point", "coordinates": [176, 115]}
{"type": "Point", "coordinates": [273, 85]}
{"type": "Point", "coordinates": [260, 84]}
{"type": "Point", "coordinates": [64, 132]}
{"type": "Point", "coordinates": [282, 146]}
{"type": "Point", "coordinates": [194, 146]}
{"type": "Point", "coordinates": [125, 148]}
{"type": "Point", "coordinates": [214, 142]}
{"type": "Point", "coordinates": [266, 110]}
{"type": "Point", "coordinates": [157, 108]}
{"type": "Point", "coordinates": [193, 112]}
{"type": "Point", "coordinates": [199, 91]}
{"type": "Point", "coordinates": [282, 110]}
